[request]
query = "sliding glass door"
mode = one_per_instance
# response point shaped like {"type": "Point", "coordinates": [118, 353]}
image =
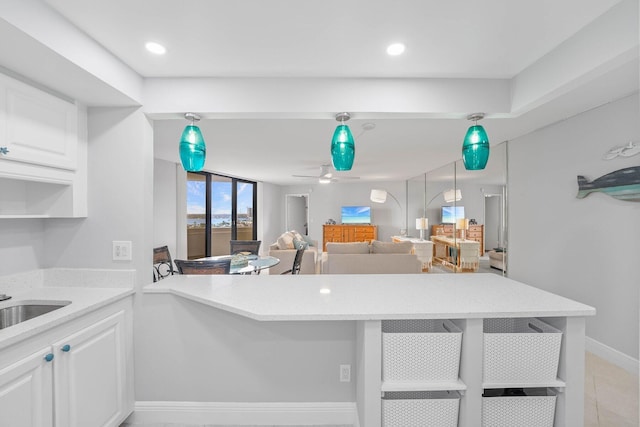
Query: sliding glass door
{"type": "Point", "coordinates": [219, 209]}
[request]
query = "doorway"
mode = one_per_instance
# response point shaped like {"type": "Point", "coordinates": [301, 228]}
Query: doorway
{"type": "Point", "coordinates": [297, 213]}
{"type": "Point", "coordinates": [493, 220]}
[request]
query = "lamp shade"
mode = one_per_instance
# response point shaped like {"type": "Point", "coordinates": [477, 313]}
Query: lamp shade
{"type": "Point", "coordinates": [463, 224]}
{"type": "Point", "coordinates": [343, 148]}
{"type": "Point", "coordinates": [378, 196]}
{"type": "Point", "coordinates": [452, 195]}
{"type": "Point", "coordinates": [475, 148]}
{"type": "Point", "coordinates": [422, 223]}
{"type": "Point", "coordinates": [193, 150]}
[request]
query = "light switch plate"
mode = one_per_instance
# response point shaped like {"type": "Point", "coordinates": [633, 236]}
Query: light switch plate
{"type": "Point", "coordinates": [122, 250]}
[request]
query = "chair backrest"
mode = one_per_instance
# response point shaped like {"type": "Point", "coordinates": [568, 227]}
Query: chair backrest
{"type": "Point", "coordinates": [470, 249]}
{"type": "Point", "coordinates": [297, 261]}
{"type": "Point", "coordinates": [221, 266]}
{"type": "Point", "coordinates": [162, 263]}
{"type": "Point", "coordinates": [250, 246]}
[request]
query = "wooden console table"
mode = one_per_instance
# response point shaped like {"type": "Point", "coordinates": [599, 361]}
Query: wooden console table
{"type": "Point", "coordinates": [344, 233]}
{"type": "Point", "coordinates": [441, 246]}
{"type": "Point", "coordinates": [475, 232]}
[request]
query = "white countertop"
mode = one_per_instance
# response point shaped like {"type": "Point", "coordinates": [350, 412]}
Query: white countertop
{"type": "Point", "coordinates": [370, 297]}
{"type": "Point", "coordinates": [83, 301]}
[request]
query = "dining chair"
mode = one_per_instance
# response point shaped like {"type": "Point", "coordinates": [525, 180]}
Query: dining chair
{"type": "Point", "coordinates": [250, 246]}
{"type": "Point", "coordinates": [221, 266]}
{"type": "Point", "coordinates": [469, 255]}
{"type": "Point", "coordinates": [297, 260]}
{"type": "Point", "coordinates": [162, 263]}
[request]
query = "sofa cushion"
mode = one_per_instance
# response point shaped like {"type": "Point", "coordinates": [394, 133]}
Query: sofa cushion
{"type": "Point", "coordinates": [378, 247]}
{"type": "Point", "coordinates": [285, 241]}
{"type": "Point", "coordinates": [296, 235]}
{"type": "Point", "coordinates": [348, 248]}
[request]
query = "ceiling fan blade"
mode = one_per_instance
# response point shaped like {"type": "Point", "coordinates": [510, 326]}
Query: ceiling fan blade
{"type": "Point", "coordinates": [305, 176]}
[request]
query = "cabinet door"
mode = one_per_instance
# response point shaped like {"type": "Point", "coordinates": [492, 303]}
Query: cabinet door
{"type": "Point", "coordinates": [38, 128]}
{"type": "Point", "coordinates": [90, 375]}
{"type": "Point", "coordinates": [26, 398]}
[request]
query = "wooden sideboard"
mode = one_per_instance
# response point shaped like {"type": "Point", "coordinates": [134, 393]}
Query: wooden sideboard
{"type": "Point", "coordinates": [475, 232]}
{"type": "Point", "coordinates": [348, 233]}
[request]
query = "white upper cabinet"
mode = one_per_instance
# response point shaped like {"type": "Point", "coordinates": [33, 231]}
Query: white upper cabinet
{"type": "Point", "coordinates": [42, 155]}
{"type": "Point", "coordinates": [39, 128]}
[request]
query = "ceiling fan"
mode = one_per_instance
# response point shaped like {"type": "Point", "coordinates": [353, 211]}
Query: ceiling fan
{"type": "Point", "coordinates": [326, 175]}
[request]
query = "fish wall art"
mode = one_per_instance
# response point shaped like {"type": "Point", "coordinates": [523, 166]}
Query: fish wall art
{"type": "Point", "coordinates": [623, 184]}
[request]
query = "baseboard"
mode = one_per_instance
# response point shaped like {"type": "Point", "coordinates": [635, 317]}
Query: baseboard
{"type": "Point", "coordinates": [612, 355]}
{"type": "Point", "coordinates": [245, 413]}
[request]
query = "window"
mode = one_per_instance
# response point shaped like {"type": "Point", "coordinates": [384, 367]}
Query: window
{"type": "Point", "coordinates": [219, 209]}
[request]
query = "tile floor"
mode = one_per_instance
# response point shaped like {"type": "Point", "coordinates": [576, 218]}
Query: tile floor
{"type": "Point", "coordinates": [611, 395]}
{"type": "Point", "coordinates": [611, 398]}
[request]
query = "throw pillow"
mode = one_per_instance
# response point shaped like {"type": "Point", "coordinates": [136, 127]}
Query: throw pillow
{"type": "Point", "coordinates": [285, 241]}
{"type": "Point", "coordinates": [296, 235]}
{"type": "Point", "coordinates": [348, 248]}
{"type": "Point", "coordinates": [299, 244]}
{"type": "Point", "coordinates": [378, 247]}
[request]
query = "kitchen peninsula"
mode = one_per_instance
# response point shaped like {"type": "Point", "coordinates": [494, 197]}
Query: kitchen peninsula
{"type": "Point", "coordinates": [366, 302]}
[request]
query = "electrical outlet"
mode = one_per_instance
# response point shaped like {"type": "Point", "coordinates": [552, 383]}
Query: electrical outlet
{"type": "Point", "coordinates": [122, 250]}
{"type": "Point", "coordinates": [345, 373]}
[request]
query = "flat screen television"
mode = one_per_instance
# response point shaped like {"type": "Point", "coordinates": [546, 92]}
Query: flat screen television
{"type": "Point", "coordinates": [451, 214]}
{"type": "Point", "coordinates": [356, 215]}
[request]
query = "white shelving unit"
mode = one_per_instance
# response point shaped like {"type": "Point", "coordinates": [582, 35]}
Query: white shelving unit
{"type": "Point", "coordinates": [569, 384]}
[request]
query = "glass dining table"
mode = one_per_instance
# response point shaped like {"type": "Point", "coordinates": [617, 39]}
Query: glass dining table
{"type": "Point", "coordinates": [256, 263]}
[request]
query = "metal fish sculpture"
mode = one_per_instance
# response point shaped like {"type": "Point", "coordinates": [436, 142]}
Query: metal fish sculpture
{"type": "Point", "coordinates": [623, 184]}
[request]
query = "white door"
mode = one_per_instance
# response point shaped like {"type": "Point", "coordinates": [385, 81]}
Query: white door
{"type": "Point", "coordinates": [90, 375]}
{"type": "Point", "coordinates": [26, 392]}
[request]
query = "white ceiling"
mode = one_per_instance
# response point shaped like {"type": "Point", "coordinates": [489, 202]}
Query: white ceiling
{"type": "Point", "coordinates": [496, 39]}
{"type": "Point", "coordinates": [331, 38]}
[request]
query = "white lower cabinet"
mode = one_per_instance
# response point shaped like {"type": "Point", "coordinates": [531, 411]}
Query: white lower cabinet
{"type": "Point", "coordinates": [89, 371]}
{"type": "Point", "coordinates": [26, 394]}
{"type": "Point", "coordinates": [82, 378]}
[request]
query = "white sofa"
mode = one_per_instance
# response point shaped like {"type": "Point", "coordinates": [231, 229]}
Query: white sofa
{"type": "Point", "coordinates": [286, 256]}
{"type": "Point", "coordinates": [497, 259]}
{"type": "Point", "coordinates": [377, 258]}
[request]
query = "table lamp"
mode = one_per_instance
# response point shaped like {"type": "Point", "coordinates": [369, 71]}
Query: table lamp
{"type": "Point", "coordinates": [463, 225]}
{"type": "Point", "coordinates": [422, 224]}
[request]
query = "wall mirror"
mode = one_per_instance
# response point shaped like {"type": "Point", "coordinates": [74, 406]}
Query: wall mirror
{"type": "Point", "coordinates": [466, 215]}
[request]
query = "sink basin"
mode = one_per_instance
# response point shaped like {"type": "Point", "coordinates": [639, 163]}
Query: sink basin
{"type": "Point", "coordinates": [20, 312]}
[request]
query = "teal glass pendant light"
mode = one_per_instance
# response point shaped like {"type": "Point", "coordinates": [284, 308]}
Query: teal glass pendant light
{"type": "Point", "coordinates": [475, 147]}
{"type": "Point", "coordinates": [343, 147]}
{"type": "Point", "coordinates": [193, 150]}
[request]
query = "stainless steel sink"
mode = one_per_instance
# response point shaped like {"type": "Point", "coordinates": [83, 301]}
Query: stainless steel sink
{"type": "Point", "coordinates": [22, 311]}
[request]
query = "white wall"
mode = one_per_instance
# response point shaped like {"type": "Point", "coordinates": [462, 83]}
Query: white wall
{"type": "Point", "coordinates": [585, 249]}
{"type": "Point", "coordinates": [164, 205]}
{"type": "Point", "coordinates": [21, 245]}
{"type": "Point", "coordinates": [325, 201]}
{"type": "Point", "coordinates": [270, 214]}
{"type": "Point", "coordinates": [120, 175]}
{"type": "Point", "coordinates": [188, 351]}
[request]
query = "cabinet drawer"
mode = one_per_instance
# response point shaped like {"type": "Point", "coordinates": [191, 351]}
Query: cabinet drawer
{"type": "Point", "coordinates": [474, 234]}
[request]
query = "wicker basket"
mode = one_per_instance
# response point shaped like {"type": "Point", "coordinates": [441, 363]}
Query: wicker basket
{"type": "Point", "coordinates": [420, 409]}
{"type": "Point", "coordinates": [536, 408]}
{"type": "Point", "coordinates": [520, 350]}
{"type": "Point", "coordinates": [420, 350]}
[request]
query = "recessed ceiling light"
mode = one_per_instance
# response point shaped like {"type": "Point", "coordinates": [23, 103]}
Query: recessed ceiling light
{"type": "Point", "coordinates": [156, 48]}
{"type": "Point", "coordinates": [395, 49]}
